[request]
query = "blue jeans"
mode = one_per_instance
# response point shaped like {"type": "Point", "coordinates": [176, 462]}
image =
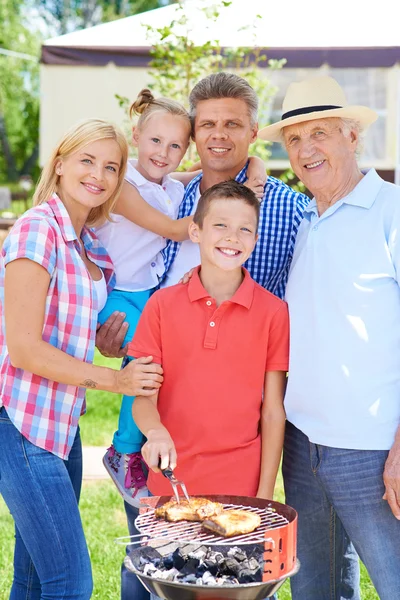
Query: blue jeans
{"type": "Point", "coordinates": [338, 496]}
{"type": "Point", "coordinates": [51, 559]}
{"type": "Point", "coordinates": [131, 588]}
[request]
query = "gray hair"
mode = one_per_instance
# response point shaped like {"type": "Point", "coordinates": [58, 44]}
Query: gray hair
{"type": "Point", "coordinates": [349, 125]}
{"type": "Point", "coordinates": [224, 85]}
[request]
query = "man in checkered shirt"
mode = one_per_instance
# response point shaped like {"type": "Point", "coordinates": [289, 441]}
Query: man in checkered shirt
{"type": "Point", "coordinates": [223, 109]}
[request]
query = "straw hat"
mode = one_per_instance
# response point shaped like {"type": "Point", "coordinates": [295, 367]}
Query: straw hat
{"type": "Point", "coordinates": [316, 98]}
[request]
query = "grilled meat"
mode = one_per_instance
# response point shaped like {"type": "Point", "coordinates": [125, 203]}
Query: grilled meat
{"type": "Point", "coordinates": [233, 522]}
{"type": "Point", "coordinates": [197, 509]}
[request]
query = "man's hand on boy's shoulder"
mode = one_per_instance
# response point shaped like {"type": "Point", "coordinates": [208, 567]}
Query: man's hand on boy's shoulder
{"type": "Point", "coordinates": [110, 336]}
{"type": "Point", "coordinates": [159, 450]}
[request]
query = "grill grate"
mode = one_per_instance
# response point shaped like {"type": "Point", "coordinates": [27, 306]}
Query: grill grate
{"type": "Point", "coordinates": [189, 532]}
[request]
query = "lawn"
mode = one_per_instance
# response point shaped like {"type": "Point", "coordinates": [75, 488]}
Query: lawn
{"type": "Point", "coordinates": [102, 511]}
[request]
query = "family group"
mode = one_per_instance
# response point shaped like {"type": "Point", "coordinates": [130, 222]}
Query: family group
{"type": "Point", "coordinates": [251, 321]}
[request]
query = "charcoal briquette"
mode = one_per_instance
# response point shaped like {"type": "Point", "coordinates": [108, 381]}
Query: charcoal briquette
{"type": "Point", "coordinates": [168, 561]}
{"type": "Point", "coordinates": [201, 569]}
{"type": "Point", "coordinates": [179, 558]}
{"type": "Point", "coordinates": [212, 566]}
{"type": "Point", "coordinates": [190, 566]}
{"type": "Point", "coordinates": [141, 556]}
{"type": "Point", "coordinates": [237, 553]}
{"type": "Point", "coordinates": [249, 576]}
{"type": "Point", "coordinates": [200, 553]}
{"type": "Point", "coordinates": [230, 566]}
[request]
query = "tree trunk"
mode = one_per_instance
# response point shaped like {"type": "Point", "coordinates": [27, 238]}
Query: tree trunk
{"type": "Point", "coordinates": [30, 162]}
{"type": "Point", "coordinates": [12, 173]}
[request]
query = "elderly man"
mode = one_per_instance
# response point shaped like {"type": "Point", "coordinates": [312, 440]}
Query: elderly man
{"type": "Point", "coordinates": [342, 448]}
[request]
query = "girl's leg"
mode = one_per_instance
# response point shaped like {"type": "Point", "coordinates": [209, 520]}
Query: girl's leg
{"type": "Point", "coordinates": [42, 499]}
{"type": "Point", "coordinates": [123, 460]}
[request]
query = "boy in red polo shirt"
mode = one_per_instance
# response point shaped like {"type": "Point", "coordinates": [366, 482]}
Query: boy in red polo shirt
{"type": "Point", "coordinates": [223, 342]}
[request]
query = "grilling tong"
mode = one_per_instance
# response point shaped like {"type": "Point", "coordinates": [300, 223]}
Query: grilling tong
{"type": "Point", "coordinates": [169, 474]}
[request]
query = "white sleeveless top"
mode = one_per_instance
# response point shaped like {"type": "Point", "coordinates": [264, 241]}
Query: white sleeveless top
{"type": "Point", "coordinates": [136, 252]}
{"type": "Point", "coordinates": [100, 289]}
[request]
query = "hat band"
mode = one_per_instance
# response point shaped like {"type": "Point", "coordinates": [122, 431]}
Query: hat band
{"type": "Point", "coordinates": [308, 109]}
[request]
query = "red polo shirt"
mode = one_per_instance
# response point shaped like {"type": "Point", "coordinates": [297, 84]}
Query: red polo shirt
{"type": "Point", "coordinates": [214, 361]}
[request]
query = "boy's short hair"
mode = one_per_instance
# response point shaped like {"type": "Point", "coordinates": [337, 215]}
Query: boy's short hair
{"type": "Point", "coordinates": [227, 190]}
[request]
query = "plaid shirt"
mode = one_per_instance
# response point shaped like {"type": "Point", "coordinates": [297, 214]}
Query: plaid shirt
{"type": "Point", "coordinates": [281, 211]}
{"type": "Point", "coordinates": [46, 412]}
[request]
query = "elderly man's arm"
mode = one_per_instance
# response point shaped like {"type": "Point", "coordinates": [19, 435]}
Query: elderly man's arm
{"type": "Point", "coordinates": [110, 336]}
{"type": "Point", "coordinates": [391, 477]}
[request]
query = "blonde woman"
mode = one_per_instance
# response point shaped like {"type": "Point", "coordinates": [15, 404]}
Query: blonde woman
{"type": "Point", "coordinates": [54, 278]}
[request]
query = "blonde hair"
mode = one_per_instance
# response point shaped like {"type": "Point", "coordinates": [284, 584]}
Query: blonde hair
{"type": "Point", "coordinates": [82, 134]}
{"type": "Point", "coordinates": [146, 105]}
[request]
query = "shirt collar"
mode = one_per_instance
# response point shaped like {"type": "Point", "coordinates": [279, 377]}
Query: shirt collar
{"type": "Point", "coordinates": [63, 219]}
{"type": "Point", "coordinates": [241, 177]}
{"type": "Point", "coordinates": [243, 295]}
{"type": "Point", "coordinates": [138, 179]}
{"type": "Point", "coordinates": [363, 195]}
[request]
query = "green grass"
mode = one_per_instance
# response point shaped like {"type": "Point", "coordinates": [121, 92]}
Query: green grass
{"type": "Point", "coordinates": [102, 510]}
{"type": "Point", "coordinates": [102, 409]}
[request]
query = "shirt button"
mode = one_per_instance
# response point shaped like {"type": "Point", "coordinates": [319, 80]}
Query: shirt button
{"type": "Point", "coordinates": [208, 302]}
{"type": "Point", "coordinates": [212, 324]}
{"type": "Point", "coordinates": [153, 264]}
{"type": "Point", "coordinates": [315, 227]}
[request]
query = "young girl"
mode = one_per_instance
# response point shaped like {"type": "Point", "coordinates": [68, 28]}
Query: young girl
{"type": "Point", "coordinates": [144, 218]}
{"type": "Point", "coordinates": [54, 277]}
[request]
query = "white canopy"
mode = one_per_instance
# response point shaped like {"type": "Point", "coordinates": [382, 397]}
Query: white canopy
{"type": "Point", "coordinates": [284, 24]}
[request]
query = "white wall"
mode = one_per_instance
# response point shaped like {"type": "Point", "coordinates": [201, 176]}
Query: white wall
{"type": "Point", "coordinates": [72, 93]}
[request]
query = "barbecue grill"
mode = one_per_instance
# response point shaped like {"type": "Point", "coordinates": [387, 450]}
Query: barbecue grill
{"type": "Point", "coordinates": [275, 537]}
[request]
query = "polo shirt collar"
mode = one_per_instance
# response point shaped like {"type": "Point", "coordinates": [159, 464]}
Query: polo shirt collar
{"type": "Point", "coordinates": [363, 195]}
{"type": "Point", "coordinates": [243, 295]}
{"type": "Point", "coordinates": [138, 179]}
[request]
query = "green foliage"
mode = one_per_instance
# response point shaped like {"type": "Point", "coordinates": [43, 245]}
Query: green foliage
{"type": "Point", "coordinates": [178, 63]}
{"type": "Point", "coordinates": [19, 93]}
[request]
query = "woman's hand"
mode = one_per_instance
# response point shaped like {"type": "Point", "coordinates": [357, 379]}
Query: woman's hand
{"type": "Point", "coordinates": [141, 377]}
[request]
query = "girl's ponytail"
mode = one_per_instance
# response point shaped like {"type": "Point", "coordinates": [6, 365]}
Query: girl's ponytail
{"type": "Point", "coordinates": [142, 102]}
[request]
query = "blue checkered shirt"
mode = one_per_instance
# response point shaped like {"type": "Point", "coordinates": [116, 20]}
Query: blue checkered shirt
{"type": "Point", "coordinates": [281, 211]}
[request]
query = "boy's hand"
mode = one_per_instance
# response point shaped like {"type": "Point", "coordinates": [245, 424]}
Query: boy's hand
{"type": "Point", "coordinates": [257, 185]}
{"type": "Point", "coordinates": [187, 277]}
{"type": "Point", "coordinates": [141, 377]}
{"type": "Point", "coordinates": [110, 336]}
{"type": "Point", "coordinates": [159, 450]}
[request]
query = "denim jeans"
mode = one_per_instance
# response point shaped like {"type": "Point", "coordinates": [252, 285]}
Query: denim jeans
{"type": "Point", "coordinates": [51, 559]}
{"type": "Point", "coordinates": [338, 496]}
{"type": "Point", "coordinates": [131, 588]}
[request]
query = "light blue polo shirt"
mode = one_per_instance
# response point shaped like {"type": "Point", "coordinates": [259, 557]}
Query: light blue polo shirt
{"type": "Point", "coordinates": [344, 304]}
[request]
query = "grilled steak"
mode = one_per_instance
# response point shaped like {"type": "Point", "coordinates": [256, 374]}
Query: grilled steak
{"type": "Point", "coordinates": [233, 522]}
{"type": "Point", "coordinates": [197, 509]}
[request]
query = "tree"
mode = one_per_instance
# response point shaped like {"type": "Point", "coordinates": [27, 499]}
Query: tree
{"type": "Point", "coordinates": [70, 15]}
{"type": "Point", "coordinates": [177, 63]}
{"type": "Point", "coordinates": [19, 93]}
